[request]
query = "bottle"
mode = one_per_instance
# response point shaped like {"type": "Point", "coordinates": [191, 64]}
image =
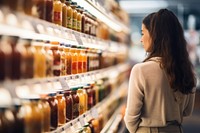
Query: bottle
{"type": "Point", "coordinates": [90, 97]}
{"type": "Point", "coordinates": [49, 59]}
{"type": "Point", "coordinates": [76, 102]}
{"type": "Point", "coordinates": [57, 12]}
{"type": "Point", "coordinates": [74, 60]}
{"type": "Point", "coordinates": [27, 65]}
{"type": "Point", "coordinates": [2, 61]}
{"type": "Point", "coordinates": [64, 14]}
{"type": "Point", "coordinates": [69, 105]}
{"type": "Point", "coordinates": [68, 59]}
{"type": "Point", "coordinates": [39, 59]}
{"type": "Point", "coordinates": [79, 60]}
{"type": "Point", "coordinates": [62, 60]}
{"type": "Point", "coordinates": [69, 14]}
{"type": "Point", "coordinates": [49, 10]}
{"type": "Point", "coordinates": [53, 102]}
{"type": "Point", "coordinates": [74, 18]}
{"type": "Point", "coordinates": [84, 59]}
{"type": "Point", "coordinates": [81, 101]}
{"type": "Point", "coordinates": [79, 19]}
{"type": "Point", "coordinates": [46, 111]}
{"type": "Point", "coordinates": [82, 19]}
{"type": "Point", "coordinates": [61, 108]}
{"type": "Point", "coordinates": [56, 58]}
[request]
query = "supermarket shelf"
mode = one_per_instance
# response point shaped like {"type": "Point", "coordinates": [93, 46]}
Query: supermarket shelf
{"type": "Point", "coordinates": [62, 82]}
{"type": "Point", "coordinates": [19, 24]}
{"type": "Point", "coordinates": [93, 112]}
{"type": "Point", "coordinates": [107, 17]}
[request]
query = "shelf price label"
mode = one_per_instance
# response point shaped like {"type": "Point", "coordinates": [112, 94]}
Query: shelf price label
{"type": "Point", "coordinates": [64, 84]}
{"type": "Point", "coordinates": [78, 38]}
{"type": "Point", "coordinates": [94, 112]}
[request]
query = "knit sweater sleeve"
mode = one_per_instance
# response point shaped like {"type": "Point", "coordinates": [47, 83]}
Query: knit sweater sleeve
{"type": "Point", "coordinates": [135, 99]}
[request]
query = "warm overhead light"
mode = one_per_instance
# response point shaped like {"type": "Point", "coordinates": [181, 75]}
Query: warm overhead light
{"type": "Point", "coordinates": [100, 15]}
{"type": "Point", "coordinates": [142, 6]}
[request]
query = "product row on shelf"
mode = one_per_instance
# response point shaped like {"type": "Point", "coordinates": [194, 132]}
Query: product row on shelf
{"type": "Point", "coordinates": [68, 14]}
{"type": "Point", "coordinates": [44, 108]}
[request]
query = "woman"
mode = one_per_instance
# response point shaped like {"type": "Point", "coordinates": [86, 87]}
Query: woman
{"type": "Point", "coordinates": [162, 88]}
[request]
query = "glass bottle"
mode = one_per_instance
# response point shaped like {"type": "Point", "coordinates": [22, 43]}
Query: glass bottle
{"type": "Point", "coordinates": [64, 14]}
{"type": "Point", "coordinates": [79, 60]}
{"type": "Point", "coordinates": [27, 65]}
{"type": "Point", "coordinates": [56, 58]}
{"type": "Point", "coordinates": [46, 111]}
{"type": "Point", "coordinates": [68, 59]}
{"type": "Point", "coordinates": [49, 59]}
{"type": "Point", "coordinates": [74, 58]}
{"type": "Point", "coordinates": [95, 123]}
{"type": "Point", "coordinates": [49, 10]}
{"type": "Point", "coordinates": [61, 108]}
{"type": "Point", "coordinates": [28, 7]}
{"type": "Point", "coordinates": [84, 59]}
{"type": "Point", "coordinates": [69, 105]}
{"type": "Point", "coordinates": [74, 18]}
{"type": "Point", "coordinates": [2, 62]}
{"type": "Point", "coordinates": [81, 101]}
{"type": "Point", "coordinates": [53, 102]}
{"type": "Point", "coordinates": [57, 12]}
{"type": "Point", "coordinates": [33, 115]}
{"type": "Point", "coordinates": [39, 59]}
{"type": "Point", "coordinates": [87, 22]}
{"type": "Point", "coordinates": [79, 19]}
{"type": "Point", "coordinates": [38, 9]}
{"type": "Point", "coordinates": [76, 102]}
{"type": "Point", "coordinates": [90, 97]}
{"type": "Point", "coordinates": [62, 60]}
{"type": "Point", "coordinates": [82, 19]}
{"type": "Point", "coordinates": [69, 14]}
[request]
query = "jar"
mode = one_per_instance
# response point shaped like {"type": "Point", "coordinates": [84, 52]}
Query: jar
{"type": "Point", "coordinates": [46, 111]}
{"type": "Point", "coordinates": [69, 105]}
{"type": "Point", "coordinates": [49, 10]}
{"type": "Point", "coordinates": [27, 65]}
{"type": "Point", "coordinates": [76, 102]}
{"type": "Point", "coordinates": [56, 58]}
{"type": "Point", "coordinates": [79, 19]}
{"type": "Point", "coordinates": [39, 59]}
{"type": "Point", "coordinates": [61, 108]}
{"type": "Point", "coordinates": [57, 12]}
{"type": "Point", "coordinates": [33, 115]}
{"type": "Point", "coordinates": [49, 59]}
{"type": "Point", "coordinates": [69, 14]}
{"type": "Point", "coordinates": [74, 18]}
{"type": "Point", "coordinates": [62, 60]}
{"type": "Point", "coordinates": [53, 102]}
{"type": "Point", "coordinates": [68, 59]}
{"type": "Point", "coordinates": [74, 58]}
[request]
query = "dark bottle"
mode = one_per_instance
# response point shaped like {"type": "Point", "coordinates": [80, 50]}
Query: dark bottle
{"type": "Point", "coordinates": [2, 62]}
{"type": "Point", "coordinates": [49, 10]}
{"type": "Point", "coordinates": [75, 102]}
{"type": "Point", "coordinates": [69, 105]}
{"type": "Point", "coordinates": [90, 96]}
{"type": "Point", "coordinates": [53, 102]}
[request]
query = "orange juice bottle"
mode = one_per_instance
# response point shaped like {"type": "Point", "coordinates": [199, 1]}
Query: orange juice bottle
{"type": "Point", "coordinates": [81, 101]}
{"type": "Point", "coordinates": [80, 60]}
{"type": "Point", "coordinates": [84, 59]}
{"type": "Point", "coordinates": [64, 14]}
{"type": "Point", "coordinates": [57, 12]}
{"type": "Point", "coordinates": [68, 59]}
{"type": "Point", "coordinates": [69, 14]}
{"type": "Point", "coordinates": [79, 19]}
{"type": "Point", "coordinates": [62, 60]}
{"type": "Point", "coordinates": [74, 19]}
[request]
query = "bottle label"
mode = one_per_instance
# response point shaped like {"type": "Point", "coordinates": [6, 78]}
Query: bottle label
{"type": "Point", "coordinates": [57, 16]}
{"type": "Point", "coordinates": [69, 22]}
{"type": "Point", "coordinates": [74, 24]}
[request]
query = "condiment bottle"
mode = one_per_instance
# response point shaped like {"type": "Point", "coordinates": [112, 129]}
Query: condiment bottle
{"type": "Point", "coordinates": [69, 14]}
{"type": "Point", "coordinates": [56, 58]}
{"type": "Point", "coordinates": [57, 12]}
{"type": "Point", "coordinates": [53, 102]}
{"type": "Point", "coordinates": [74, 58]}
{"type": "Point", "coordinates": [69, 105]}
{"type": "Point", "coordinates": [74, 18]}
{"type": "Point", "coordinates": [39, 59]}
{"type": "Point", "coordinates": [61, 108]}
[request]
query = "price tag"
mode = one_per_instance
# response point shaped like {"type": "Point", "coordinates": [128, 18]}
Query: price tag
{"type": "Point", "coordinates": [94, 113]}
{"type": "Point", "coordinates": [78, 38]}
{"type": "Point", "coordinates": [64, 84]}
{"type": "Point", "coordinates": [82, 121]}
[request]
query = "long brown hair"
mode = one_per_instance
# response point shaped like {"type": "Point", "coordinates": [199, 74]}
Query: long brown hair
{"type": "Point", "coordinates": [168, 42]}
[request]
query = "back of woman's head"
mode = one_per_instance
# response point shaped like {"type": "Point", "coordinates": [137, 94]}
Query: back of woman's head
{"type": "Point", "coordinates": [168, 42]}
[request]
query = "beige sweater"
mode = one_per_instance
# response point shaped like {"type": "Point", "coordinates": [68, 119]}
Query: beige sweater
{"type": "Point", "coordinates": [151, 102]}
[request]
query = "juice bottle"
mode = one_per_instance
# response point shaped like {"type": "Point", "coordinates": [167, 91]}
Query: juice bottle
{"type": "Point", "coordinates": [69, 105]}
{"type": "Point", "coordinates": [79, 60]}
{"type": "Point", "coordinates": [68, 59]}
{"type": "Point", "coordinates": [57, 12]}
{"type": "Point", "coordinates": [69, 14]}
{"type": "Point", "coordinates": [49, 10]}
{"type": "Point", "coordinates": [76, 102]}
{"type": "Point", "coordinates": [62, 60]}
{"type": "Point", "coordinates": [74, 60]}
{"type": "Point", "coordinates": [79, 19]}
{"type": "Point", "coordinates": [61, 107]}
{"type": "Point", "coordinates": [64, 14]}
{"type": "Point", "coordinates": [49, 59]}
{"type": "Point", "coordinates": [74, 18]}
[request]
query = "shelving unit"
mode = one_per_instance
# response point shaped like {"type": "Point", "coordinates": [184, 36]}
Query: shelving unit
{"type": "Point", "coordinates": [18, 24]}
